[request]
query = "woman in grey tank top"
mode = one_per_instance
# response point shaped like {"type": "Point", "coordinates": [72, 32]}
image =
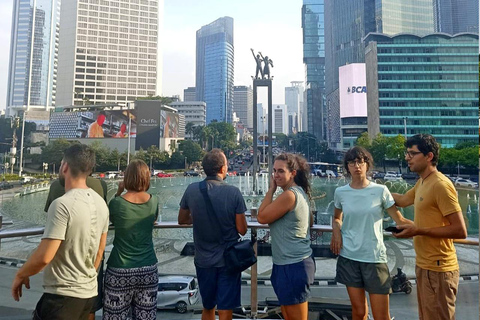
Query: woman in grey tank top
{"type": "Point", "coordinates": [289, 218]}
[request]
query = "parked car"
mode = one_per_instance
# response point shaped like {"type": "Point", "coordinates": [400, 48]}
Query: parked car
{"type": "Point", "coordinates": [391, 177]}
{"type": "Point", "coordinates": [191, 173]}
{"type": "Point", "coordinates": [5, 185]}
{"type": "Point", "coordinates": [177, 292]}
{"type": "Point", "coordinates": [164, 175]}
{"type": "Point", "coordinates": [111, 174]}
{"type": "Point", "coordinates": [378, 175]}
{"type": "Point", "coordinates": [465, 183]}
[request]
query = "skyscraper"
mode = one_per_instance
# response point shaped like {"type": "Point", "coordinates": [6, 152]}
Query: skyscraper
{"type": "Point", "coordinates": [456, 16]}
{"type": "Point", "coordinates": [347, 22]}
{"type": "Point", "coordinates": [243, 104]}
{"type": "Point", "coordinates": [189, 94]}
{"type": "Point", "coordinates": [109, 53]}
{"type": "Point", "coordinates": [416, 85]}
{"type": "Point", "coordinates": [314, 61]}
{"type": "Point", "coordinates": [32, 75]}
{"type": "Point", "coordinates": [214, 69]}
{"type": "Point", "coordinates": [294, 102]}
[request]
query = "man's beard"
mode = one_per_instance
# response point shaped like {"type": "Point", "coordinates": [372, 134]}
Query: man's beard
{"type": "Point", "coordinates": [61, 178]}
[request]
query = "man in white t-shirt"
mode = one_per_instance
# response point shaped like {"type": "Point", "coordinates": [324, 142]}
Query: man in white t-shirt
{"type": "Point", "coordinates": [72, 244]}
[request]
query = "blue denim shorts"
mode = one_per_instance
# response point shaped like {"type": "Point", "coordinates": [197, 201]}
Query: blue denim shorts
{"type": "Point", "coordinates": [219, 288]}
{"type": "Point", "coordinates": [291, 282]}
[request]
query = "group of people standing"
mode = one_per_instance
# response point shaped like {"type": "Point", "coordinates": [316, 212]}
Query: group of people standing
{"type": "Point", "coordinates": [71, 249]}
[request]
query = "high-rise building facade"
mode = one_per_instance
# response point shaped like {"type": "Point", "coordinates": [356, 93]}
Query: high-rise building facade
{"type": "Point", "coordinates": [314, 60]}
{"type": "Point", "coordinates": [280, 119]}
{"type": "Point", "coordinates": [456, 16]}
{"type": "Point", "coordinates": [189, 94]}
{"type": "Point", "coordinates": [193, 111]}
{"type": "Point", "coordinates": [405, 16]}
{"type": "Point", "coordinates": [215, 69]}
{"type": "Point", "coordinates": [415, 84]}
{"type": "Point", "coordinates": [32, 75]}
{"type": "Point", "coordinates": [243, 104]}
{"type": "Point", "coordinates": [109, 51]}
{"type": "Point", "coordinates": [294, 102]}
{"type": "Point", "coordinates": [347, 22]}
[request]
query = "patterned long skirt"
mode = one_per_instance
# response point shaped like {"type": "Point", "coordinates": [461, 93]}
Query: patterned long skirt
{"type": "Point", "coordinates": [132, 289]}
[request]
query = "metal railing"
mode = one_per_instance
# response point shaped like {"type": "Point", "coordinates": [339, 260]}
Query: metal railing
{"type": "Point", "coordinates": [253, 225]}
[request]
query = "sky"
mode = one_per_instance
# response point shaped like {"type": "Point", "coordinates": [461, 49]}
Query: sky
{"type": "Point", "coordinates": [270, 26]}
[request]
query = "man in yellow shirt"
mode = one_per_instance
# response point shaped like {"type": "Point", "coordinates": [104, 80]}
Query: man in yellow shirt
{"type": "Point", "coordinates": [438, 220]}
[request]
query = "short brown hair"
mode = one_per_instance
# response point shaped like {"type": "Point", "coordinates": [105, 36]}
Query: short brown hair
{"type": "Point", "coordinates": [80, 159]}
{"type": "Point", "coordinates": [357, 153]}
{"type": "Point", "coordinates": [213, 161]}
{"type": "Point", "coordinates": [137, 176]}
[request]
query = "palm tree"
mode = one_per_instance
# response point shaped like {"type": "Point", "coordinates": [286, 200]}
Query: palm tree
{"type": "Point", "coordinates": [189, 129]}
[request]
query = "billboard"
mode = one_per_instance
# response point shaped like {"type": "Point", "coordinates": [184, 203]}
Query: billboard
{"type": "Point", "coordinates": [93, 124]}
{"type": "Point", "coordinates": [168, 124]}
{"type": "Point", "coordinates": [352, 83]}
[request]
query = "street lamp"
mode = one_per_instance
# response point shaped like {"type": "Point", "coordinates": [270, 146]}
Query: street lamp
{"type": "Point", "coordinates": [263, 137]}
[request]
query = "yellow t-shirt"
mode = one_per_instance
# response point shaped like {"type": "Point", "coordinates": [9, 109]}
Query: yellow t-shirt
{"type": "Point", "coordinates": [434, 199]}
{"type": "Point", "coordinates": [95, 130]}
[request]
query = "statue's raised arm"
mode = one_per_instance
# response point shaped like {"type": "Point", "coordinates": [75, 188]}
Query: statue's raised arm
{"type": "Point", "coordinates": [259, 68]}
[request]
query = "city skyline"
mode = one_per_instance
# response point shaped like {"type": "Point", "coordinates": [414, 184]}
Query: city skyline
{"type": "Point", "coordinates": [265, 26]}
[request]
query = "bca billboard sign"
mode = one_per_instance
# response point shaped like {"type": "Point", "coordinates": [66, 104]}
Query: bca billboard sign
{"type": "Point", "coordinates": [353, 90]}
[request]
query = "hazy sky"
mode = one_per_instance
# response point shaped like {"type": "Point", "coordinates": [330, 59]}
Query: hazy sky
{"type": "Point", "coordinates": [270, 26]}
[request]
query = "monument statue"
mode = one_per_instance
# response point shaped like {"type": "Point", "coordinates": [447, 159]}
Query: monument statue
{"type": "Point", "coordinates": [266, 67]}
{"type": "Point", "coordinates": [258, 60]}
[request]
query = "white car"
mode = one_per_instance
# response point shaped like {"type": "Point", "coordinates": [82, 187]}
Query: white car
{"type": "Point", "coordinates": [177, 292]}
{"type": "Point", "coordinates": [465, 183]}
{"type": "Point", "coordinates": [391, 177]}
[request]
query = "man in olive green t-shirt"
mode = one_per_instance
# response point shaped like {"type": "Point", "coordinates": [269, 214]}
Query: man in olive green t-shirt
{"type": "Point", "coordinates": [57, 189]}
{"type": "Point", "coordinates": [438, 220]}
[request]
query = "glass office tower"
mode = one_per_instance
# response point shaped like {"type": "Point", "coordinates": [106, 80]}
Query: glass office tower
{"type": "Point", "coordinates": [32, 72]}
{"type": "Point", "coordinates": [456, 16]}
{"type": "Point", "coordinates": [314, 60]}
{"type": "Point", "coordinates": [214, 69]}
{"type": "Point", "coordinates": [424, 85]}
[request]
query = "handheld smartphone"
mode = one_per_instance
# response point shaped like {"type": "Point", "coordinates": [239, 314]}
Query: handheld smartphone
{"type": "Point", "coordinates": [393, 229]}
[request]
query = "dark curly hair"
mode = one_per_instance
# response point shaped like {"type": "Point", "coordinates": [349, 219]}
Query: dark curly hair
{"type": "Point", "coordinates": [298, 163]}
{"type": "Point", "coordinates": [425, 143]}
{"type": "Point", "coordinates": [357, 153]}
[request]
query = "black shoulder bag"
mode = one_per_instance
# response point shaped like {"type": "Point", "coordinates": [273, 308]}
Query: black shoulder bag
{"type": "Point", "coordinates": [240, 255]}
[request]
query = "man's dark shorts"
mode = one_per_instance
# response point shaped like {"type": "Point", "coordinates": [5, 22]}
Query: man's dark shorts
{"type": "Point", "coordinates": [57, 307]}
{"type": "Point", "coordinates": [219, 288]}
{"type": "Point", "coordinates": [98, 302]}
{"type": "Point", "coordinates": [373, 277]}
{"type": "Point", "coordinates": [291, 282]}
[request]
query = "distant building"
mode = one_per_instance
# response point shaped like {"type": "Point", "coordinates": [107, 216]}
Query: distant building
{"type": "Point", "coordinates": [32, 74]}
{"type": "Point", "coordinates": [280, 118]}
{"type": "Point", "coordinates": [294, 102]}
{"type": "Point", "coordinates": [109, 52]}
{"type": "Point", "coordinates": [347, 22]}
{"type": "Point", "coordinates": [214, 69]}
{"type": "Point", "coordinates": [194, 111]}
{"type": "Point", "coordinates": [313, 27]}
{"type": "Point", "coordinates": [456, 16]}
{"type": "Point", "coordinates": [415, 84]}
{"type": "Point", "coordinates": [243, 104]}
{"type": "Point", "coordinates": [189, 94]}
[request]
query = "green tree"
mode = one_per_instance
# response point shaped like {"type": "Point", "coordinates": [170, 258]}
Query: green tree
{"type": "Point", "coordinates": [191, 150]}
{"type": "Point", "coordinates": [177, 160]}
{"type": "Point", "coordinates": [163, 100]}
{"type": "Point", "coordinates": [53, 152]}
{"type": "Point", "coordinates": [141, 154]}
{"type": "Point", "coordinates": [282, 140]}
{"type": "Point", "coordinates": [364, 141]}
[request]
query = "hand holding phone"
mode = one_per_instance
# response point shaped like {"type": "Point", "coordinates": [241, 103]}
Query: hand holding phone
{"type": "Point", "coordinates": [393, 229]}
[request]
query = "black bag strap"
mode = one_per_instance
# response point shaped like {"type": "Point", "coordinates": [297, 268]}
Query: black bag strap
{"type": "Point", "coordinates": [210, 209]}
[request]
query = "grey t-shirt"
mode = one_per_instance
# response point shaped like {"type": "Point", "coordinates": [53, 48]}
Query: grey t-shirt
{"type": "Point", "coordinates": [227, 202]}
{"type": "Point", "coordinates": [291, 233]}
{"type": "Point", "coordinates": [78, 218]}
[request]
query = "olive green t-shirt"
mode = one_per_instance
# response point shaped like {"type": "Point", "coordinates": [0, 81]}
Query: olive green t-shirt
{"type": "Point", "coordinates": [57, 190]}
{"type": "Point", "coordinates": [133, 244]}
